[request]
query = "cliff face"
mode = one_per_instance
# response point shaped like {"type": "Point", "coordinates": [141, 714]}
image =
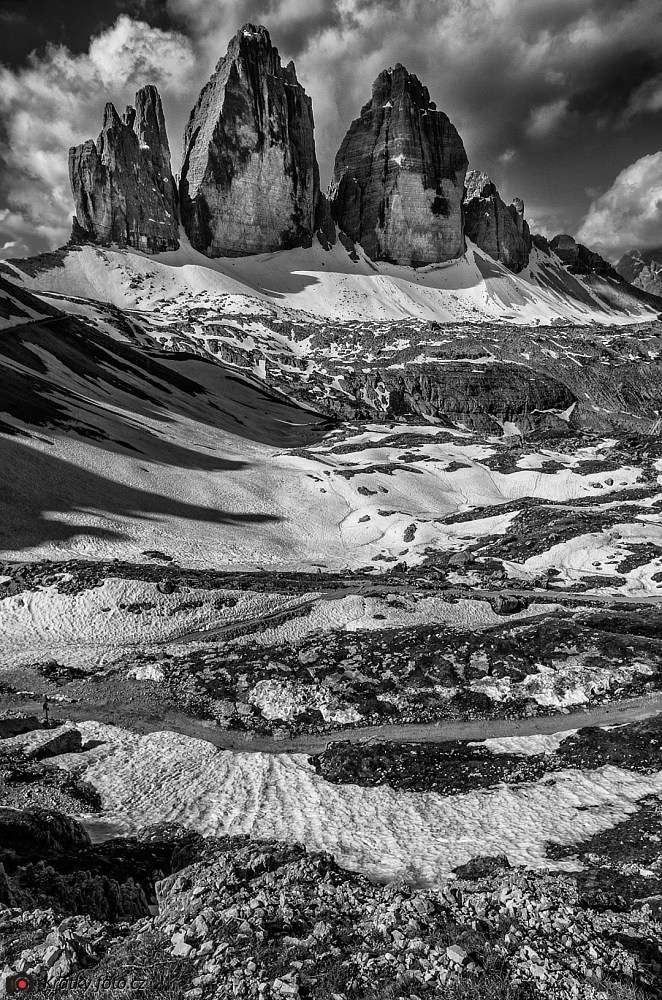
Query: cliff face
{"type": "Point", "coordinates": [399, 176]}
{"type": "Point", "coordinates": [498, 229]}
{"type": "Point", "coordinates": [477, 396]}
{"type": "Point", "coordinates": [250, 182]}
{"type": "Point", "coordinates": [122, 183]}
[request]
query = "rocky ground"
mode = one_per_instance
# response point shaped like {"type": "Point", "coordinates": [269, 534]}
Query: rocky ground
{"type": "Point", "coordinates": [182, 915]}
{"type": "Point", "coordinates": [455, 767]}
{"type": "Point", "coordinates": [394, 675]}
{"type": "Point", "coordinates": [267, 920]}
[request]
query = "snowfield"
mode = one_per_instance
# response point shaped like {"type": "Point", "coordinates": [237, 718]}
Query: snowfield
{"type": "Point", "coordinates": [328, 283]}
{"type": "Point", "coordinates": [211, 498]}
{"type": "Point", "coordinates": [100, 624]}
{"type": "Point", "coordinates": [356, 613]}
{"type": "Point", "coordinates": [382, 832]}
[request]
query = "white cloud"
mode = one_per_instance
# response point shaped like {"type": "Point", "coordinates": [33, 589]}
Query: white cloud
{"type": "Point", "coordinates": [629, 215]}
{"type": "Point", "coordinates": [13, 248]}
{"type": "Point", "coordinates": [57, 100]}
{"type": "Point", "coordinates": [647, 98]}
{"type": "Point", "coordinates": [545, 120]}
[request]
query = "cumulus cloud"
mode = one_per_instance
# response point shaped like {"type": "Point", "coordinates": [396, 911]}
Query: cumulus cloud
{"type": "Point", "coordinates": [56, 101]}
{"type": "Point", "coordinates": [629, 215]}
{"type": "Point", "coordinates": [508, 72]}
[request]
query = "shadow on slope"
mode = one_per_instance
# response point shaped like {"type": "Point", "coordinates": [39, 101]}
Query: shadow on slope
{"type": "Point", "coordinates": [41, 486]}
{"type": "Point", "coordinates": [63, 373]}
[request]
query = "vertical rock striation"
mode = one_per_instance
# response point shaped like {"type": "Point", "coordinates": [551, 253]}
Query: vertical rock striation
{"type": "Point", "coordinates": [122, 184]}
{"type": "Point", "coordinates": [250, 181]}
{"type": "Point", "coordinates": [498, 229]}
{"type": "Point", "coordinates": [399, 176]}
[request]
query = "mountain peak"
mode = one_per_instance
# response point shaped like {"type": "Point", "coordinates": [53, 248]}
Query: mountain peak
{"type": "Point", "coordinates": [409, 211]}
{"type": "Point", "coordinates": [122, 183]}
{"type": "Point", "coordinates": [397, 84]}
{"type": "Point", "coordinates": [250, 181]}
{"type": "Point", "coordinates": [498, 229]}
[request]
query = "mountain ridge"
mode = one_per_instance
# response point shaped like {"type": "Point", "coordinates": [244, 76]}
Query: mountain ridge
{"type": "Point", "coordinates": [643, 269]}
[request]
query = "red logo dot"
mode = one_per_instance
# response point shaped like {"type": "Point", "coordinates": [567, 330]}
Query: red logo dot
{"type": "Point", "coordinates": [22, 984]}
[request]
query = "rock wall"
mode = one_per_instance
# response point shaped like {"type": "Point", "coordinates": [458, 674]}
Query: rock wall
{"type": "Point", "coordinates": [498, 229]}
{"type": "Point", "coordinates": [399, 176]}
{"type": "Point", "coordinates": [478, 396]}
{"type": "Point", "coordinates": [122, 184]}
{"type": "Point", "coordinates": [250, 181]}
{"type": "Point", "coordinates": [580, 260]}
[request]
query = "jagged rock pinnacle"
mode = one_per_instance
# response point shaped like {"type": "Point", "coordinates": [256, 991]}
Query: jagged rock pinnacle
{"type": "Point", "coordinates": [399, 176]}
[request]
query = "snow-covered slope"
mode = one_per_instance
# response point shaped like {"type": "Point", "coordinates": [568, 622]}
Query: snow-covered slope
{"type": "Point", "coordinates": [339, 285]}
{"type": "Point", "coordinates": [116, 447]}
{"type": "Point", "coordinates": [18, 307]}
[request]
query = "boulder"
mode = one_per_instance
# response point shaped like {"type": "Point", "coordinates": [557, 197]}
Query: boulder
{"type": "Point", "coordinates": [44, 743]}
{"type": "Point", "coordinates": [483, 866]}
{"type": "Point", "coordinates": [399, 174]}
{"type": "Point", "coordinates": [122, 184]}
{"type": "Point", "coordinates": [250, 181]}
{"type": "Point", "coordinates": [498, 229]}
{"type": "Point", "coordinates": [509, 604]}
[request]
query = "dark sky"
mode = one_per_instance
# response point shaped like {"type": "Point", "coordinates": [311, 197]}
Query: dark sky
{"type": "Point", "coordinates": [27, 25]}
{"type": "Point", "coordinates": [560, 101]}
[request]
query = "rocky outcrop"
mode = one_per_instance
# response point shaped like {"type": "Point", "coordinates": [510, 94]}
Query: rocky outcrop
{"type": "Point", "coordinates": [643, 269]}
{"type": "Point", "coordinates": [479, 396]}
{"type": "Point", "coordinates": [250, 181]}
{"type": "Point", "coordinates": [122, 184]}
{"type": "Point", "coordinates": [580, 260]}
{"type": "Point", "coordinates": [399, 176]}
{"type": "Point", "coordinates": [37, 833]}
{"type": "Point", "coordinates": [498, 229]}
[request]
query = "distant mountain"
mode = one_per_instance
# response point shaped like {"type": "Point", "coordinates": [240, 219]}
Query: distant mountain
{"type": "Point", "coordinates": [643, 268]}
{"type": "Point", "coordinates": [400, 196]}
{"type": "Point", "coordinates": [579, 259]}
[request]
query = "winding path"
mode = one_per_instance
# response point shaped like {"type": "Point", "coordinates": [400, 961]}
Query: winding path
{"type": "Point", "coordinates": [129, 716]}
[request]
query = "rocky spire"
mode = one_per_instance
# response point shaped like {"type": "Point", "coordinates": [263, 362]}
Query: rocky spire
{"type": "Point", "coordinates": [122, 184]}
{"type": "Point", "coordinates": [250, 181]}
{"type": "Point", "coordinates": [399, 176]}
{"type": "Point", "coordinates": [498, 229]}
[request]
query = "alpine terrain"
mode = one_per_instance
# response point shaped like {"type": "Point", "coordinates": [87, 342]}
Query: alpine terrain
{"type": "Point", "coordinates": [330, 571]}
